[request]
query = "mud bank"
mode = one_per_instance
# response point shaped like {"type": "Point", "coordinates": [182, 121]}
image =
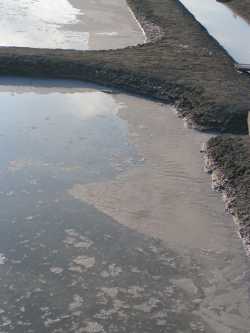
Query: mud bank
{"type": "Point", "coordinates": [186, 66]}
{"type": "Point", "coordinates": [240, 7]}
{"type": "Point", "coordinates": [228, 159]}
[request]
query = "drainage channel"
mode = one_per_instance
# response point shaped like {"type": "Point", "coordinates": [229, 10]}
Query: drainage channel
{"type": "Point", "coordinates": [227, 27]}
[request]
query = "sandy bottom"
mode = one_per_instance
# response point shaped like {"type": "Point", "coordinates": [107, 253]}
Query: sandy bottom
{"type": "Point", "coordinates": [168, 195]}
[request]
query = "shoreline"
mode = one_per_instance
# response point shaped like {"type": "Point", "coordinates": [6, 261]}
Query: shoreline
{"type": "Point", "coordinates": [139, 24]}
{"type": "Point", "coordinates": [219, 184]}
{"type": "Point", "coordinates": [151, 31]}
{"type": "Point", "coordinates": [227, 159]}
{"type": "Point", "coordinates": [242, 8]}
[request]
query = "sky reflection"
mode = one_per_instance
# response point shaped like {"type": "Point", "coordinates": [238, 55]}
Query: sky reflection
{"type": "Point", "coordinates": [229, 29]}
{"type": "Point", "coordinates": [68, 24]}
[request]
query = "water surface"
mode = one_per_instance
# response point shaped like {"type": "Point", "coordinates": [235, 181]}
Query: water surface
{"type": "Point", "coordinates": [107, 221]}
{"type": "Point", "coordinates": [226, 26]}
{"type": "Point", "coordinates": [68, 24]}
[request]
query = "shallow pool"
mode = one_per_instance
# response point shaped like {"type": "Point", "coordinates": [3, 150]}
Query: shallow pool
{"type": "Point", "coordinates": [107, 219]}
{"type": "Point", "coordinates": [68, 24]}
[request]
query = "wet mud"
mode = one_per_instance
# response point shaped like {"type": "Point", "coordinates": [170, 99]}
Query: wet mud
{"type": "Point", "coordinates": [228, 159]}
{"type": "Point", "coordinates": [242, 8]}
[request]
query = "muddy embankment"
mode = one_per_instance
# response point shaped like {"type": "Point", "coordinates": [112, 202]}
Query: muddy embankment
{"type": "Point", "coordinates": [228, 159]}
{"type": "Point", "coordinates": [184, 65]}
{"type": "Point", "coordinates": [242, 8]}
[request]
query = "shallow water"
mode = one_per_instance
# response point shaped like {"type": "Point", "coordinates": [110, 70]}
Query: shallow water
{"type": "Point", "coordinates": [107, 221]}
{"type": "Point", "coordinates": [226, 26]}
{"type": "Point", "coordinates": [68, 24]}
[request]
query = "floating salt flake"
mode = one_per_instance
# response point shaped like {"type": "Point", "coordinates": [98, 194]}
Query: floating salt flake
{"type": "Point", "coordinates": [56, 270]}
{"type": "Point", "coordinates": [29, 218]}
{"type": "Point", "coordinates": [77, 303]}
{"type": "Point", "coordinates": [86, 262]}
{"type": "Point", "coordinates": [93, 327]}
{"type": "Point", "coordinates": [10, 194]}
{"type": "Point", "coordinates": [83, 244]}
{"type": "Point", "coordinates": [3, 259]}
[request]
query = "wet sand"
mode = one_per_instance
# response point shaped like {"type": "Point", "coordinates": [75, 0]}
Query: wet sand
{"type": "Point", "coordinates": [107, 220]}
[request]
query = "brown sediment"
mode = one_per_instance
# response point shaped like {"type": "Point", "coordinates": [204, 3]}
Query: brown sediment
{"type": "Point", "coordinates": [240, 7]}
{"type": "Point", "coordinates": [228, 159]}
{"type": "Point", "coordinates": [186, 66]}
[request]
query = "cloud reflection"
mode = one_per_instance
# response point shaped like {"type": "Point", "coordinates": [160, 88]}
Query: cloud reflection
{"type": "Point", "coordinates": [42, 24]}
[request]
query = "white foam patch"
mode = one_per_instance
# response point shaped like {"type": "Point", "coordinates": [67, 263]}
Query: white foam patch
{"type": "Point", "coordinates": [3, 259]}
{"type": "Point", "coordinates": [112, 33]}
{"type": "Point", "coordinates": [84, 261]}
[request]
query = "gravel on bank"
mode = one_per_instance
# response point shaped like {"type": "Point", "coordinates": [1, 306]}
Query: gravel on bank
{"type": "Point", "coordinates": [228, 159]}
{"type": "Point", "coordinates": [185, 66]}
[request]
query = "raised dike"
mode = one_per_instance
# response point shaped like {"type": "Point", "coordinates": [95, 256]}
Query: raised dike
{"type": "Point", "coordinates": [240, 7]}
{"type": "Point", "coordinates": [182, 65]}
{"type": "Point", "coordinates": [185, 66]}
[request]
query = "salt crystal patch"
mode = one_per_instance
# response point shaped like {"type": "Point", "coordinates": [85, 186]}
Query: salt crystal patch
{"type": "Point", "coordinates": [3, 259]}
{"type": "Point", "coordinates": [87, 262]}
{"type": "Point", "coordinates": [56, 270]}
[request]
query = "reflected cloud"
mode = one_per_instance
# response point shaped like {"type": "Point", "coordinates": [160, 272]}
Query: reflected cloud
{"type": "Point", "coordinates": [95, 104]}
{"type": "Point", "coordinates": [68, 24]}
{"type": "Point", "coordinates": [42, 24]}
